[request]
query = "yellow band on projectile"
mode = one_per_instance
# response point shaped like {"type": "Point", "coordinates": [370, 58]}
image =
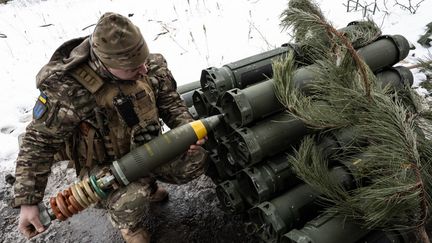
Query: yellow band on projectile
{"type": "Point", "coordinates": [199, 129]}
{"type": "Point", "coordinates": [42, 99]}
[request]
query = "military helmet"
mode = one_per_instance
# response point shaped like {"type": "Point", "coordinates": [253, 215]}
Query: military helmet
{"type": "Point", "coordinates": [118, 43]}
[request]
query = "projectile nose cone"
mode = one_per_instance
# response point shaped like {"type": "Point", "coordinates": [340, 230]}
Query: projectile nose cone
{"type": "Point", "coordinates": [212, 121]}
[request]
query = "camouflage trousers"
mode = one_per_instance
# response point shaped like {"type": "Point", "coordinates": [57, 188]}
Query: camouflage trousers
{"type": "Point", "coordinates": [128, 205]}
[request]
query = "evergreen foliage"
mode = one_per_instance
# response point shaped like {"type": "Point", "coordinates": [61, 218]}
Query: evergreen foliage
{"type": "Point", "coordinates": [316, 35]}
{"type": "Point", "coordinates": [392, 171]}
{"type": "Point", "coordinates": [425, 66]}
{"type": "Point", "coordinates": [425, 40]}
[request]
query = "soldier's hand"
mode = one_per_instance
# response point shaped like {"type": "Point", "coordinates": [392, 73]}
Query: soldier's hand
{"type": "Point", "coordinates": [29, 223]}
{"type": "Point", "coordinates": [195, 147]}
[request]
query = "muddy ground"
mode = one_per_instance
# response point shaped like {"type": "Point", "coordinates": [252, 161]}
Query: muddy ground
{"type": "Point", "coordinates": [191, 214]}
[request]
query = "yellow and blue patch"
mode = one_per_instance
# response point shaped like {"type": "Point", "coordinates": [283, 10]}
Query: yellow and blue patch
{"type": "Point", "coordinates": [40, 107]}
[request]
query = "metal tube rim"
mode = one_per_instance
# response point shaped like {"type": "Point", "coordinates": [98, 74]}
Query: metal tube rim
{"type": "Point", "coordinates": [98, 191]}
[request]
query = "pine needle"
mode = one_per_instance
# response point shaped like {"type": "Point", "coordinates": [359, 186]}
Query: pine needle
{"type": "Point", "coordinates": [392, 164]}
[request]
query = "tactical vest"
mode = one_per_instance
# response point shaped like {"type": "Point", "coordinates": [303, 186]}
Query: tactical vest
{"type": "Point", "coordinates": [107, 136]}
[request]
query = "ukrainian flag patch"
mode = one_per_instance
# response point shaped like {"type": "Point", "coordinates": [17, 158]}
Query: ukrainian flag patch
{"type": "Point", "coordinates": [40, 107]}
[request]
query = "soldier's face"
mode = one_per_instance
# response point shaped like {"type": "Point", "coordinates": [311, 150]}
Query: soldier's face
{"type": "Point", "coordinates": [129, 74]}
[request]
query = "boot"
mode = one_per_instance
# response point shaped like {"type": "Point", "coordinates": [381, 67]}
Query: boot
{"type": "Point", "coordinates": [138, 236]}
{"type": "Point", "coordinates": [159, 194]}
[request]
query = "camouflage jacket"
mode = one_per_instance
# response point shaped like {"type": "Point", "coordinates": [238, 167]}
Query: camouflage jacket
{"type": "Point", "coordinates": [64, 103]}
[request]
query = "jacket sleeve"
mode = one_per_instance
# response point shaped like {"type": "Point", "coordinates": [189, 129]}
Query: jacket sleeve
{"type": "Point", "coordinates": [172, 109]}
{"type": "Point", "coordinates": [55, 117]}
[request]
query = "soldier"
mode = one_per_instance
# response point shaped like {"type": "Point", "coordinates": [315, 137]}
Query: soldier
{"type": "Point", "coordinates": [101, 96]}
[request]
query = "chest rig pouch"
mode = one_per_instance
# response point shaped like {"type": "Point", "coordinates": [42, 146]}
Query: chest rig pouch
{"type": "Point", "coordinates": [125, 108]}
{"type": "Point", "coordinates": [126, 116]}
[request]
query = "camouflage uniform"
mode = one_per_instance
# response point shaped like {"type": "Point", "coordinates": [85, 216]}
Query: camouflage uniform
{"type": "Point", "coordinates": [66, 113]}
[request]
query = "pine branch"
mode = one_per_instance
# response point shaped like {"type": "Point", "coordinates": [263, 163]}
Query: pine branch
{"type": "Point", "coordinates": [421, 64]}
{"type": "Point", "coordinates": [359, 63]}
{"type": "Point", "coordinates": [361, 33]}
{"type": "Point", "coordinates": [393, 167]}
